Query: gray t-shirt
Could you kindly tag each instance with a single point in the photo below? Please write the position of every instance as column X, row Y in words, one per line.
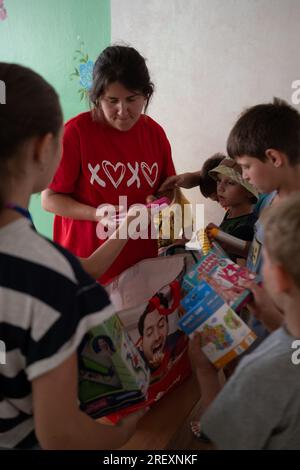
column 259, row 407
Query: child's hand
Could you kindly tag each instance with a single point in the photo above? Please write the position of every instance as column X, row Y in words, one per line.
column 208, row 229
column 226, row 247
column 206, row 373
column 105, row 213
column 262, row 307
column 198, row 359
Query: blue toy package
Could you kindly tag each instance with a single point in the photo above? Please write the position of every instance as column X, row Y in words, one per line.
column 195, row 296
column 200, row 303
column 223, row 334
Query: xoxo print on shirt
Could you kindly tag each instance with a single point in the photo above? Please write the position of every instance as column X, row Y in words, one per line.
column 114, row 173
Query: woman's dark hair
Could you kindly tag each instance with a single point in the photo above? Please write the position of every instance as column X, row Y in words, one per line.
column 207, row 184
column 108, row 341
column 121, row 64
column 31, row 109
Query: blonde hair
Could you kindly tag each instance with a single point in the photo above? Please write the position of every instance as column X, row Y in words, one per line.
column 282, row 235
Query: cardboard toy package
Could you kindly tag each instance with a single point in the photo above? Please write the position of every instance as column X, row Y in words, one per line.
column 224, row 335
column 223, row 275
column 112, row 372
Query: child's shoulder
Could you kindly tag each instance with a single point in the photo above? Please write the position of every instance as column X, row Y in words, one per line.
column 35, row 254
column 239, row 226
column 54, row 257
column 271, row 360
column 44, row 271
column 264, row 201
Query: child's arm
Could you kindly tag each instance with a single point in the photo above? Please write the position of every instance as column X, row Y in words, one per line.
column 228, row 242
column 66, row 206
column 59, row 424
column 99, row 261
column 184, row 180
column 206, row 373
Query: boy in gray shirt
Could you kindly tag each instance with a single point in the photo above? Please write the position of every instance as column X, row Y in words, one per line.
column 259, row 407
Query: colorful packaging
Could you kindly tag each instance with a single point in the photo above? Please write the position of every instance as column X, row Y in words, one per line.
column 223, row 275
column 224, row 335
column 112, row 372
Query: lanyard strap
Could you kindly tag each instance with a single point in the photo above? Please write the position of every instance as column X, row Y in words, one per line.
column 20, row 210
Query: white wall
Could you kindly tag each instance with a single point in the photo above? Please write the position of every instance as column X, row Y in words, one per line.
column 209, row 60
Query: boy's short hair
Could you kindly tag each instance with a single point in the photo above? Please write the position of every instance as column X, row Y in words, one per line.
column 266, row 126
column 207, row 184
column 282, row 235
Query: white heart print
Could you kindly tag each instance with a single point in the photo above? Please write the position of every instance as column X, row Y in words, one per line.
column 148, row 174
column 106, row 164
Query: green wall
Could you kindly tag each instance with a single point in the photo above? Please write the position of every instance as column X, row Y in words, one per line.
column 45, row 35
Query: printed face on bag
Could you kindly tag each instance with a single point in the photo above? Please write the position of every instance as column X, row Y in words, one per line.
column 155, row 331
column 121, row 108
column 103, row 345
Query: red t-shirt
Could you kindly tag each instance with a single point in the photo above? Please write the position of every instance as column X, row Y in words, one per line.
column 99, row 164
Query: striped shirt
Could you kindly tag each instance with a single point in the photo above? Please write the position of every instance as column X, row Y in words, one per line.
column 47, row 304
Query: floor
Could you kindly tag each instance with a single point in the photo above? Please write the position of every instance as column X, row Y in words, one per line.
column 167, row 424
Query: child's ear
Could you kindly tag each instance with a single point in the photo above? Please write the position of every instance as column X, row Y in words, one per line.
column 43, row 147
column 283, row 279
column 275, row 157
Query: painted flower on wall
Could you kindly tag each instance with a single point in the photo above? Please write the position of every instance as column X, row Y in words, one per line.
column 83, row 71
column 86, row 74
column 3, row 12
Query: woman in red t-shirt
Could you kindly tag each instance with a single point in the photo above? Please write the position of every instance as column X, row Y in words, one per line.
column 112, row 151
